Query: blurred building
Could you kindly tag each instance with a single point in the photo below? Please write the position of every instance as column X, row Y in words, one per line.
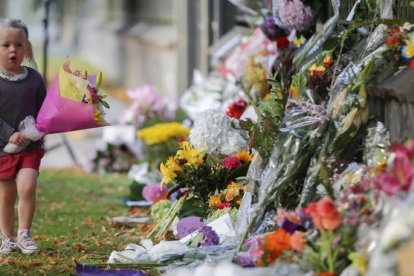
column 159, row 42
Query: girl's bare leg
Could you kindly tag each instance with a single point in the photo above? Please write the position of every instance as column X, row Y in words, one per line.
column 26, row 188
column 8, row 196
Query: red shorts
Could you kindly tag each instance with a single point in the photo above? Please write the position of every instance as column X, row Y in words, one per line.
column 11, row 164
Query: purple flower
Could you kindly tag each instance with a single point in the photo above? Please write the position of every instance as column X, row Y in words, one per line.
column 269, row 28
column 245, row 259
column 293, row 14
column 152, row 192
column 210, row 236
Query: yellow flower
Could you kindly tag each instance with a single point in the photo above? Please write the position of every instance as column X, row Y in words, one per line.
column 214, row 200
column 160, row 133
column 234, row 185
column 358, row 261
column 244, row 156
column 328, row 60
column 168, row 171
column 173, row 165
column 191, row 155
column 409, row 50
column 167, row 174
column 231, row 193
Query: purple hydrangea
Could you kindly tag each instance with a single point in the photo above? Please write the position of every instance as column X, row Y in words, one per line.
column 153, row 191
column 210, row 236
column 293, row 14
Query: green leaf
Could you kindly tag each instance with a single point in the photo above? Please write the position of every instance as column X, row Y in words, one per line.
column 330, row 44
column 196, row 240
column 240, row 171
column 412, row 3
column 193, row 207
column 104, row 103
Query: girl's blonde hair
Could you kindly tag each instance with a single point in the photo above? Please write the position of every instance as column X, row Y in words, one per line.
column 18, row 24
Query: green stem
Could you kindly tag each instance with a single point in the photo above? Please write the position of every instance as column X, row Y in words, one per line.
column 331, row 260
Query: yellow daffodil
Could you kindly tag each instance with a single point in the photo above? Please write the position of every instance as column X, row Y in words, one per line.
column 244, row 156
column 191, row 155
column 214, row 200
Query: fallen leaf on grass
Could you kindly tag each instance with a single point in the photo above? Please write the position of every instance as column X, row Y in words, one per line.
column 34, row 264
column 52, row 260
column 42, row 237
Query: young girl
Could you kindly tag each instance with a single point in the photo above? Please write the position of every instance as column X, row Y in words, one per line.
column 22, row 91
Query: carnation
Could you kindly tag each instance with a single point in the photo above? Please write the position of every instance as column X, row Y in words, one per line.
column 231, row 162
column 213, row 130
column 153, row 191
column 293, row 14
column 160, row 209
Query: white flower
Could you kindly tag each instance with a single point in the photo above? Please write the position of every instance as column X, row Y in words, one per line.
column 213, row 130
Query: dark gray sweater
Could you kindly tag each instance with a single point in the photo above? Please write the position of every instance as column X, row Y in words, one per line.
column 19, row 99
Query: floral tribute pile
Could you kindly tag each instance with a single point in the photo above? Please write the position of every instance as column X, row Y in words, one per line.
column 291, row 175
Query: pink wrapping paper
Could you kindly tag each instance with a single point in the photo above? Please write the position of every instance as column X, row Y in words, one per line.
column 59, row 114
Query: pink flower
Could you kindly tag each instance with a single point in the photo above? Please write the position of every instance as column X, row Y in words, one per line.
column 297, row 241
column 401, row 175
column 152, row 192
column 295, row 15
column 231, row 162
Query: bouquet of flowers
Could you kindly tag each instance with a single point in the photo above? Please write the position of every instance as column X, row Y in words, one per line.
column 162, row 141
column 200, row 173
column 73, row 102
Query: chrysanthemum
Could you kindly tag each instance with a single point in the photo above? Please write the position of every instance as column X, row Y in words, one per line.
column 191, row 155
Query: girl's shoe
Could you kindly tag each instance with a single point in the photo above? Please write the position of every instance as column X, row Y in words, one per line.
column 26, row 243
column 7, row 245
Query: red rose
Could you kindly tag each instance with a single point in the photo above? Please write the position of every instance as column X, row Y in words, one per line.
column 231, row 162
column 282, row 42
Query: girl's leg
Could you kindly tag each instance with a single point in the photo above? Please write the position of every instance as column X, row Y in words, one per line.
column 26, row 187
column 8, row 195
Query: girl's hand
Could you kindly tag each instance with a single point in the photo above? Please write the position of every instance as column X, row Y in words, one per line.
column 19, row 139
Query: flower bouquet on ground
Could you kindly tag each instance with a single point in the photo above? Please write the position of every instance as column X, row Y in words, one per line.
column 281, row 181
column 73, row 102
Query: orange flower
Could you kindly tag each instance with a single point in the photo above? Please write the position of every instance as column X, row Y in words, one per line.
column 324, row 214
column 327, row 274
column 331, row 217
column 244, row 156
column 297, row 241
column 273, row 244
column 214, row 200
column 294, row 93
column 327, row 61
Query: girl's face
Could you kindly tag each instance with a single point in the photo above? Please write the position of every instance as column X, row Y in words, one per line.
column 12, row 50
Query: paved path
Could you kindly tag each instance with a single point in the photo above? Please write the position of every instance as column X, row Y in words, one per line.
column 82, row 143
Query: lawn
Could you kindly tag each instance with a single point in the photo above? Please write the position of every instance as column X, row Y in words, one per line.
column 72, row 223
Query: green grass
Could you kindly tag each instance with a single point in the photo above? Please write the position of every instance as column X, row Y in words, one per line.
column 72, row 222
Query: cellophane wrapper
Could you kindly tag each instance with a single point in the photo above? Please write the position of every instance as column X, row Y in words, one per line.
column 29, row 129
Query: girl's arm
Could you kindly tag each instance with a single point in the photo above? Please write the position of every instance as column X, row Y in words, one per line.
column 5, row 131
